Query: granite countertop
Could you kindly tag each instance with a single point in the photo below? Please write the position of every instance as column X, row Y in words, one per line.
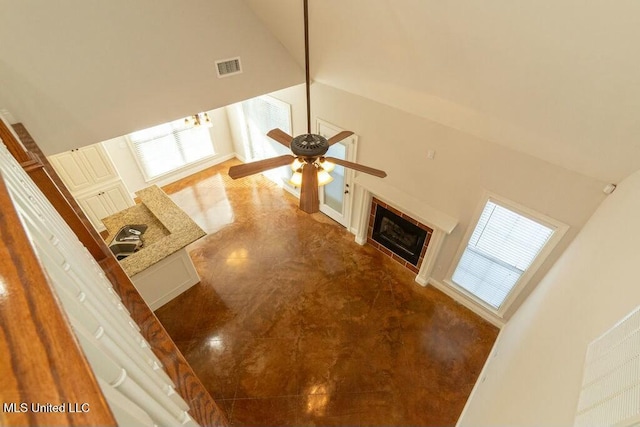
column 169, row 228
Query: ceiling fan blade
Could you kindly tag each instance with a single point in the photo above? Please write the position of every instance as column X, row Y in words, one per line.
column 309, row 201
column 356, row 166
column 281, row 136
column 339, row 137
column 240, row 171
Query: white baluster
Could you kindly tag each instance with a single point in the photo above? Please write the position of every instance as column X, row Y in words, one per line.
column 139, row 392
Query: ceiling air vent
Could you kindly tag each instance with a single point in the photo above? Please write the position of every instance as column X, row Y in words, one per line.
column 228, row 67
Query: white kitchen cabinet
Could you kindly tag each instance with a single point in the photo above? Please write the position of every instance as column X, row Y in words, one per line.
column 93, row 181
column 97, row 163
column 72, row 173
column 103, row 202
column 84, row 167
column 166, row 279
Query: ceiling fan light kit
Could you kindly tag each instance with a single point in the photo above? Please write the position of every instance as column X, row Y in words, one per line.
column 322, row 162
column 311, row 168
column 326, row 165
column 323, row 176
column 296, row 178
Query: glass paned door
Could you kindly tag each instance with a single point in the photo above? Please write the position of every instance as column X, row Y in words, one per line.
column 335, row 197
column 334, row 191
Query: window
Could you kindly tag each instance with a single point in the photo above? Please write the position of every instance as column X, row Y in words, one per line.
column 262, row 114
column 165, row 148
column 501, row 251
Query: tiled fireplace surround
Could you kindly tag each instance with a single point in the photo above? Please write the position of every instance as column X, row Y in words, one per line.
column 374, row 191
column 375, row 203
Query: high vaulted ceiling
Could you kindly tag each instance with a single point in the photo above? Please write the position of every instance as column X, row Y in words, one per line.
column 78, row 72
column 559, row 80
column 556, row 79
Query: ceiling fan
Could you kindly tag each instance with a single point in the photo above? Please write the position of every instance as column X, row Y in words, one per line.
column 308, row 150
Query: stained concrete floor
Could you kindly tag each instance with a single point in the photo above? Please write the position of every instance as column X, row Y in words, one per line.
column 293, row 323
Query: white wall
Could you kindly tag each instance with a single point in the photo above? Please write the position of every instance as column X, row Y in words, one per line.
column 129, row 171
column 534, row 377
column 76, row 73
column 463, row 168
column 456, row 180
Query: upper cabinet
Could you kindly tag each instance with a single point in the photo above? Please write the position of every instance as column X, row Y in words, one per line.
column 82, row 168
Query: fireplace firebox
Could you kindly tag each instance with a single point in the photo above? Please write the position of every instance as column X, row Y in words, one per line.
column 375, row 193
column 398, row 234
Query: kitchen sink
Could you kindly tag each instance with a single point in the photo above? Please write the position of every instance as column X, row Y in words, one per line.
column 122, row 250
column 130, row 232
column 128, row 240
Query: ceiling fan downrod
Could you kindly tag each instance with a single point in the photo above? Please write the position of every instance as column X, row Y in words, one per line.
column 307, row 150
column 306, row 63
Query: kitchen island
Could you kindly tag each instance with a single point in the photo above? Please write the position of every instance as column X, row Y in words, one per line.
column 161, row 269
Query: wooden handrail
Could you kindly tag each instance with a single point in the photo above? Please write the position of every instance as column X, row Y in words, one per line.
column 13, row 145
column 41, row 362
column 203, row 408
column 47, row 179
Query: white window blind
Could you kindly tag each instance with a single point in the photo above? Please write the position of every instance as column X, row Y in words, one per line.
column 502, row 247
column 261, row 115
column 165, row 148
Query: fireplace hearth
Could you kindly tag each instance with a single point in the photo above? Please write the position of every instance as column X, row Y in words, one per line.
column 398, row 235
